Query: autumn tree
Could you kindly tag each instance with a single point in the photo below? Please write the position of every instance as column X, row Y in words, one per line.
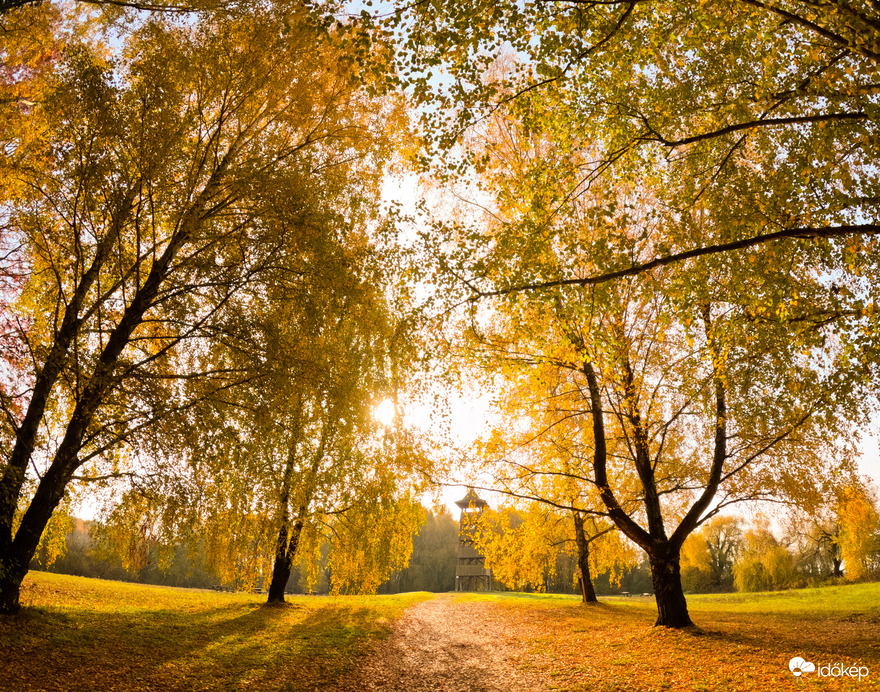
column 703, row 139
column 535, row 455
column 658, row 471
column 292, row 463
column 839, row 537
column 316, row 431
column 708, row 554
column 742, row 123
column 701, row 385
column 133, row 231
column 523, row 547
column 311, row 467
column 704, row 86
column 859, row 535
column 815, row 540
column 765, row 563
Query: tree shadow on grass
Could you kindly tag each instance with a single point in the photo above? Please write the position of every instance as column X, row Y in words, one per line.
column 239, row 646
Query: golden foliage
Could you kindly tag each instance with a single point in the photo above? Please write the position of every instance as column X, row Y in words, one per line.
column 859, row 537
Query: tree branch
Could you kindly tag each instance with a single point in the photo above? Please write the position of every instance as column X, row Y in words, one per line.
column 634, row 270
column 815, row 28
column 655, row 136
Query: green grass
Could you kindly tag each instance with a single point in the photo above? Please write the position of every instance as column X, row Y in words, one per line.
column 90, row 635
column 859, row 600
column 537, row 600
column 853, row 600
column 86, row 635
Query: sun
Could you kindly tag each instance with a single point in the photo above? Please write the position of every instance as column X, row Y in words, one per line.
column 384, row 412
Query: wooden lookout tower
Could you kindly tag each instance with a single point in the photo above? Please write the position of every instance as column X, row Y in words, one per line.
column 470, row 572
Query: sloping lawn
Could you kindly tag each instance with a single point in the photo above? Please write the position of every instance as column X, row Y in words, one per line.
column 85, row 635
column 77, row 634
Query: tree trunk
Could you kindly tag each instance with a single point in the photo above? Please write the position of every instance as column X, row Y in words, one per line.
column 588, row 593
column 666, row 576
column 17, row 554
column 284, row 554
column 280, row 576
column 20, row 549
column 11, row 576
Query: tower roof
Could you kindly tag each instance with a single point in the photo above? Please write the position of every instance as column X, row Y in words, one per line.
column 471, row 499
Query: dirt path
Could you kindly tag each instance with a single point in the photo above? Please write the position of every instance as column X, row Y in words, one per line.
column 445, row 645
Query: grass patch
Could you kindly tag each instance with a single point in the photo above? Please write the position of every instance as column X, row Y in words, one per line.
column 534, row 600
column 85, row 635
column 848, row 600
column 89, row 635
column 741, row 642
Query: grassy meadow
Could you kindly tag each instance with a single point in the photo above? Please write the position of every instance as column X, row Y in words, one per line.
column 90, row 635
column 78, row 634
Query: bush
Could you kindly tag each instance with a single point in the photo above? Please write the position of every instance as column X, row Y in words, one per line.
column 696, row 580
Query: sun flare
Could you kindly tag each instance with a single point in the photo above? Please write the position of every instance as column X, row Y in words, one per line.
column 384, row 412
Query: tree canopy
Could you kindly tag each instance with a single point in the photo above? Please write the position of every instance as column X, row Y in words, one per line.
column 661, row 258
column 160, row 187
column 706, row 383
column 764, row 112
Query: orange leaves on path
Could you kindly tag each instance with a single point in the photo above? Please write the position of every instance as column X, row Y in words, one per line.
column 612, row 646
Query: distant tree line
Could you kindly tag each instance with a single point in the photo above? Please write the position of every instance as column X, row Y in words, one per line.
column 86, row 554
column 533, row 548
column 838, row 544
column 89, row 551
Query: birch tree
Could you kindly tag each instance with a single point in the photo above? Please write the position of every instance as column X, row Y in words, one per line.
column 135, row 226
column 703, row 386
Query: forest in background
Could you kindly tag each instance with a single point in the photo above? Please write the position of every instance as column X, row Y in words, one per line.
column 727, row 555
